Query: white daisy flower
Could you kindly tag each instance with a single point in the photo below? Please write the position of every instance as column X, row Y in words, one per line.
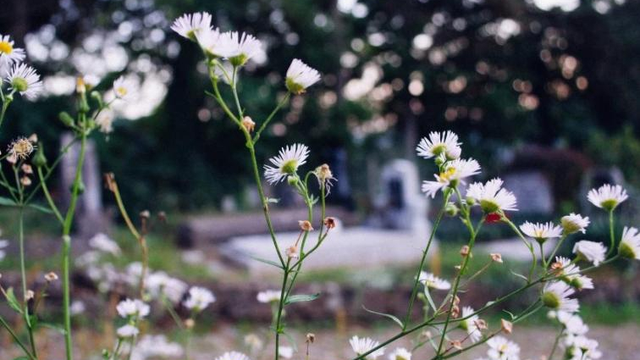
column 233, row 355
column 433, row 282
column 440, row 143
column 24, row 79
column 190, row 25
column 607, row 197
column 286, row 163
column 590, row 251
column 128, row 308
column 268, row 296
column 555, row 295
column 300, row 76
column 541, row 232
column 159, row 284
column 216, row 44
column 574, row 223
column 583, row 349
column 454, row 172
column 469, row 324
column 363, row 345
column 105, row 244
column 104, row 120
column 285, row 352
column 199, row 298
column 630, row 243
column 502, row 349
column 127, row 331
column 9, row 55
column 244, row 47
column 573, row 324
column 570, row 274
column 400, row 354
column 492, row 197
column 124, row 88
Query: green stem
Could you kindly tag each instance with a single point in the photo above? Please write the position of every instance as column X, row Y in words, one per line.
column 270, row 117
column 66, row 247
column 16, row 338
column 611, row 233
column 47, row 195
column 555, row 249
column 5, row 106
column 534, row 261
column 414, row 291
column 280, row 308
column 555, row 344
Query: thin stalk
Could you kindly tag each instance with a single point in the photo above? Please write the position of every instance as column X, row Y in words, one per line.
column 555, row 344
column 280, row 309
column 534, row 261
column 47, row 195
column 612, row 233
column 416, row 283
column 270, row 117
column 16, row 338
column 555, row 249
column 5, row 106
column 66, row 247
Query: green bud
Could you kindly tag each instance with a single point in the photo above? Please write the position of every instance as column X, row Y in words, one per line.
column 66, row 119
column 292, row 180
column 550, row 300
column 39, row 160
column 451, row 209
column 97, row 97
column 80, row 188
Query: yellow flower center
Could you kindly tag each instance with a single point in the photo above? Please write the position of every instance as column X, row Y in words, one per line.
column 448, row 173
column 122, row 91
column 6, row 47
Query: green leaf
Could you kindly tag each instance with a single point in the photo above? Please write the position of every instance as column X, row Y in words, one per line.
column 301, row 298
column 268, row 262
column 519, row 275
column 57, row 327
column 13, row 301
column 389, row 316
column 510, row 314
column 5, row 201
column 41, row 208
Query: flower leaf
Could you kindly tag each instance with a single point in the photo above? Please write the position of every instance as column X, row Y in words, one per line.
column 389, row 316
column 12, row 300
column 301, row 298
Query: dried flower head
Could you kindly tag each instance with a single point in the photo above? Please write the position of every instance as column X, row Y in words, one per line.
column 248, row 124
column 26, row 168
column 496, row 257
column 292, row 252
column 189, row 323
column 506, row 326
column 329, row 222
column 20, row 149
column 51, row 277
column 305, row 225
column 465, row 251
column 29, row 295
column 311, row 338
column 25, row 181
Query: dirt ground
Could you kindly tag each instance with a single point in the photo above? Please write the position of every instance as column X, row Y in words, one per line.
column 616, row 343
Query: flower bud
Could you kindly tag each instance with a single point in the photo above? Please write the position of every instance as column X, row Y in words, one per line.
column 66, row 119
column 51, row 277
column 311, row 338
column 496, row 257
column 465, row 251
column 39, row 160
column 329, row 222
column 305, row 225
column 26, row 168
column 248, row 124
column 25, row 181
column 451, row 209
column 506, row 326
column 292, row 180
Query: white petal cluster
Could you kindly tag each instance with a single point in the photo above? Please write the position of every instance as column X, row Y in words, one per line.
column 454, row 172
column 125, row 88
column 363, row 345
column 286, row 163
column 9, row 54
column 436, row 144
column 127, row 331
column 132, row 308
column 3, row 244
column 233, row 355
column 492, row 197
column 400, row 354
column 268, row 296
column 156, row 347
column 555, row 296
column 431, row 281
column 607, row 197
column 541, row 232
column 590, row 251
column 300, row 76
column 574, row 223
column 630, row 243
column 25, row 80
column 470, row 324
column 199, row 298
column 105, row 244
column 502, row 349
column 159, row 284
column 191, row 25
column 570, row 273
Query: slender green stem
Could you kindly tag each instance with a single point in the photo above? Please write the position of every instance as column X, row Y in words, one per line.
column 454, row 293
column 270, row 117
column 23, row 273
column 416, row 283
column 5, row 106
column 49, row 170
column 555, row 344
column 544, row 261
column 534, row 261
column 612, row 232
column 278, row 328
column 556, row 248
column 16, row 338
column 47, row 195
column 66, row 247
